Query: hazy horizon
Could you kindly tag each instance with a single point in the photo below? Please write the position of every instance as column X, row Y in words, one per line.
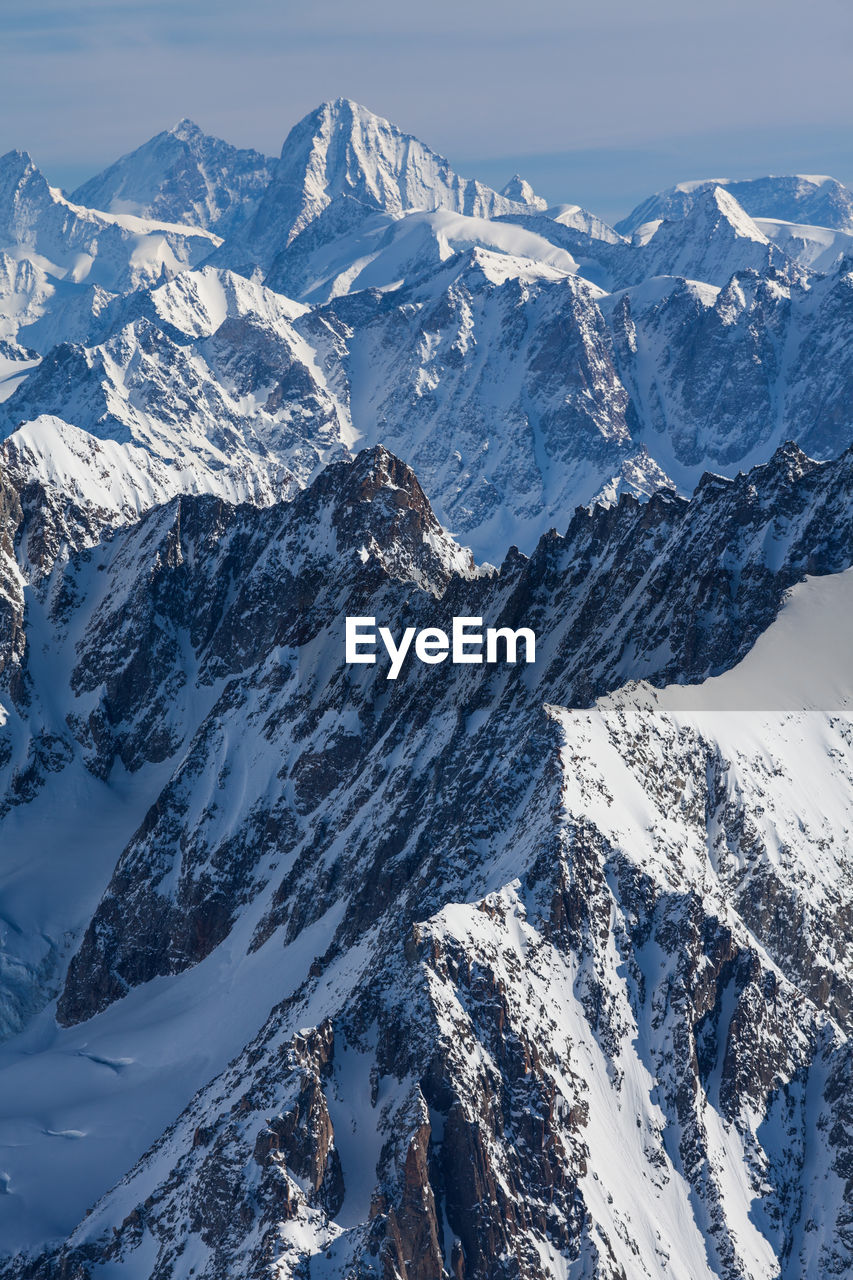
column 596, row 108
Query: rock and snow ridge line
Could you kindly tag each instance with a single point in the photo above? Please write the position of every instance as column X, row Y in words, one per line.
column 267, row 390
column 586, row 594
column 411, row 875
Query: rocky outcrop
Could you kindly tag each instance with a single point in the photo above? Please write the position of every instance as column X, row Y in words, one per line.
column 11, row 586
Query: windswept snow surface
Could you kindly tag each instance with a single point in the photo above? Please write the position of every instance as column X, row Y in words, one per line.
column 820, row 248
column 389, row 251
column 802, row 663
column 116, row 1081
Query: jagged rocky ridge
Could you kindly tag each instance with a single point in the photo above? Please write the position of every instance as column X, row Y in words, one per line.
column 518, row 1022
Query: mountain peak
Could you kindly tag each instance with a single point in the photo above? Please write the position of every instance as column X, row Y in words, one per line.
column 520, row 190
column 24, row 191
column 371, row 471
column 378, row 508
column 341, row 154
column 788, row 463
column 714, row 240
column 719, row 199
column 713, row 212
column 181, row 175
column 15, row 165
column 186, row 130
column 348, row 106
column 813, row 199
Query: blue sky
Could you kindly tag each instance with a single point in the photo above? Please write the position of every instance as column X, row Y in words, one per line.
column 597, row 103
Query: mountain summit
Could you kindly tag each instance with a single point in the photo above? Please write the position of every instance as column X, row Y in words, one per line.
column 341, row 154
column 806, row 198
column 182, row 175
column 714, row 238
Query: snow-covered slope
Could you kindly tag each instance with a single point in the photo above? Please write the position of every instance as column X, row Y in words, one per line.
column 117, row 251
column 713, row 239
column 719, row 378
column 210, row 389
column 520, row 369
column 425, row 301
column 519, row 190
column 820, row 248
column 215, row 384
column 182, row 175
column 387, row 251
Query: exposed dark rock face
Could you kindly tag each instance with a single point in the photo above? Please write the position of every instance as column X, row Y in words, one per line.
column 12, row 641
column 652, row 581
column 504, row 959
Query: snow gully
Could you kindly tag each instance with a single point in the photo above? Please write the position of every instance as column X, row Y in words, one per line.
column 433, row 645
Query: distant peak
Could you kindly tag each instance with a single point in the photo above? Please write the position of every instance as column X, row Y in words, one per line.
column 348, row 117
column 699, row 184
column 343, row 109
column 714, row 193
column 17, row 168
column 717, row 197
column 519, row 189
column 16, row 159
column 185, row 130
column 346, row 104
column 723, row 199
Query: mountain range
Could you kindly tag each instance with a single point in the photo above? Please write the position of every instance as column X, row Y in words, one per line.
column 524, row 972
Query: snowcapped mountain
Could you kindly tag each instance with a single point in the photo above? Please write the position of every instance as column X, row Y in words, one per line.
column 513, row 971
column 477, row 348
column 819, row 248
column 713, row 238
column 820, row 201
column 182, row 175
column 376, row 217
column 60, row 262
column 519, row 190
column 116, row 251
column 765, row 361
column 387, row 252
column 341, row 163
column 207, row 388
column 211, row 383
